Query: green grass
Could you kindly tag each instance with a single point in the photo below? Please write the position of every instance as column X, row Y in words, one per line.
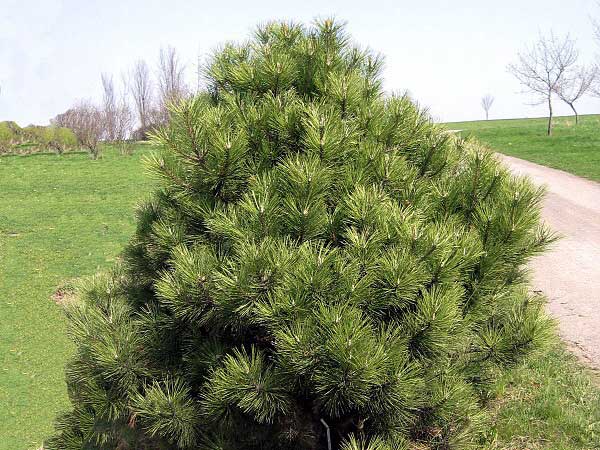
column 572, row 148
column 551, row 402
column 66, row 217
column 60, row 217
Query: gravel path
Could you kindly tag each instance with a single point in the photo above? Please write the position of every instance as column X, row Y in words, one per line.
column 569, row 274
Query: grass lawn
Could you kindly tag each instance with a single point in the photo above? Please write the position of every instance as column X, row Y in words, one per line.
column 551, row 402
column 573, row 148
column 60, row 217
column 65, row 217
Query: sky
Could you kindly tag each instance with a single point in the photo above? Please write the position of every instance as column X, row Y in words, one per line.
column 446, row 54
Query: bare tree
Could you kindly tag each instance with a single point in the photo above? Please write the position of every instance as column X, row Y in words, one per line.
column 486, row 103
column 123, row 125
column 63, row 120
column 575, row 85
column 140, row 86
column 109, row 107
column 85, row 119
column 542, row 68
column 171, row 81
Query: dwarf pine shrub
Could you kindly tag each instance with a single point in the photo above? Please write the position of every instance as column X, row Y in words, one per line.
column 319, row 265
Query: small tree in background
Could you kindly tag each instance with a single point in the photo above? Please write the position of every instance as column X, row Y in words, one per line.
column 109, row 108
column 141, row 89
column 86, row 121
column 171, row 84
column 320, row 266
column 575, row 85
column 124, row 119
column 486, row 103
column 544, row 67
column 62, row 139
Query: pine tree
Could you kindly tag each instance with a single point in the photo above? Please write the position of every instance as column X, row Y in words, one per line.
column 320, row 265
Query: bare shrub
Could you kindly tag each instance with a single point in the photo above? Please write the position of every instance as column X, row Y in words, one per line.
column 85, row 119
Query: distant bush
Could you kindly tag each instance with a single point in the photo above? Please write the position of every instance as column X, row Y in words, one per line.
column 5, row 137
column 38, row 135
column 63, row 139
column 10, row 134
column 35, row 138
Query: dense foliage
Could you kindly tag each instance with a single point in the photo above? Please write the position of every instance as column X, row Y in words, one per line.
column 320, row 262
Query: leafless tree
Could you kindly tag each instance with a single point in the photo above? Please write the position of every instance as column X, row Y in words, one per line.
column 85, row 119
column 63, row 120
column 542, row 68
column 486, row 103
column 140, row 86
column 171, row 81
column 109, row 107
column 575, row 85
column 123, row 125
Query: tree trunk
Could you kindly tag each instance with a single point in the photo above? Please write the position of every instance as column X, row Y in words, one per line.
column 486, row 115
column 575, row 112
column 550, row 116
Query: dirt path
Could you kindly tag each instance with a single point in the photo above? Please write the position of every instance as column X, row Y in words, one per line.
column 569, row 274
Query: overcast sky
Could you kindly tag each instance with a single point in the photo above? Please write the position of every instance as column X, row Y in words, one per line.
column 447, row 54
